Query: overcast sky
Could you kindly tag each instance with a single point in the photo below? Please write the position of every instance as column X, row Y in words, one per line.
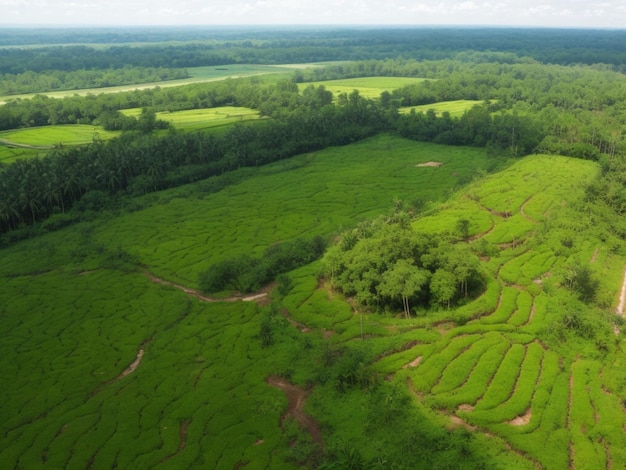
column 557, row 13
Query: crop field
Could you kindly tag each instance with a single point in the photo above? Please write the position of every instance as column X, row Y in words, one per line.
column 455, row 108
column 9, row 154
column 49, row 136
column 107, row 356
column 201, row 119
column 369, row 87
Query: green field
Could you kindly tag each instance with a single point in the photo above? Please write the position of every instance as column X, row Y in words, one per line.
column 197, row 119
column 369, row 87
column 35, row 141
column 455, row 108
column 78, row 309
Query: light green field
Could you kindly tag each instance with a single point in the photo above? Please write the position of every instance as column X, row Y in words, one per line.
column 50, row 136
column 10, row 154
column 197, row 119
column 34, row 141
column 455, row 108
column 369, row 87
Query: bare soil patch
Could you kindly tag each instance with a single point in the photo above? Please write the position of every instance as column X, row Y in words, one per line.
column 429, row 164
column 414, row 363
column 522, row 420
column 132, row 367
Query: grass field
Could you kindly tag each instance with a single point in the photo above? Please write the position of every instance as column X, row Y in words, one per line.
column 34, row 141
column 369, row 87
column 495, row 374
column 455, row 108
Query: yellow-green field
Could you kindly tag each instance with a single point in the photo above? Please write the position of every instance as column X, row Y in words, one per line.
column 369, row 87
column 455, row 108
column 195, row 119
column 33, row 141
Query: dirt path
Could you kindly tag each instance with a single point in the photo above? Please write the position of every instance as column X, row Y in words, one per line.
column 296, row 397
column 183, row 440
column 523, row 206
column 198, row 295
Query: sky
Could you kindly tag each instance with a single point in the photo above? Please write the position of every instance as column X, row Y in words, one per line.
column 548, row 13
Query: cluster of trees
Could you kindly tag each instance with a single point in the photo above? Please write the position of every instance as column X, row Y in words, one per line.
column 247, row 274
column 386, row 265
column 53, row 80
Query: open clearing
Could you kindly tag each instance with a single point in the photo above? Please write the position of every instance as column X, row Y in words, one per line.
column 205, row 118
column 455, row 108
column 369, row 87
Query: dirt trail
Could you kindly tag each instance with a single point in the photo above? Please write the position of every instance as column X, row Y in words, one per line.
column 183, row 440
column 523, row 206
column 296, row 397
column 198, row 295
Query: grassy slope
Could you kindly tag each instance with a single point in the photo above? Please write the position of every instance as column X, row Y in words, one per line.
column 75, row 318
column 195, row 354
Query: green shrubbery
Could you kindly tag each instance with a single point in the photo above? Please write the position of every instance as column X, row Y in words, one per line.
column 247, row 274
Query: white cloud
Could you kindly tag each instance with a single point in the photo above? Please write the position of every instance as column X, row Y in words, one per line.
column 607, row 13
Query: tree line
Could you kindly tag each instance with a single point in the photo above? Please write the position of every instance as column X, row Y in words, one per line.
column 56, row 80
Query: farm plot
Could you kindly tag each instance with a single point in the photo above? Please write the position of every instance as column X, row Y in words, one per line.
column 454, row 108
column 369, row 87
column 202, row 119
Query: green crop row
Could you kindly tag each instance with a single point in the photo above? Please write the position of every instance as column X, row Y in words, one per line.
column 426, row 375
column 506, row 307
column 524, row 308
column 460, row 369
column 520, row 395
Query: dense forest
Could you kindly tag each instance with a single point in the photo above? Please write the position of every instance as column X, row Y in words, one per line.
column 151, row 53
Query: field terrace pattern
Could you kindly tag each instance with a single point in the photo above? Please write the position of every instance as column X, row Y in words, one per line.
column 488, row 371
